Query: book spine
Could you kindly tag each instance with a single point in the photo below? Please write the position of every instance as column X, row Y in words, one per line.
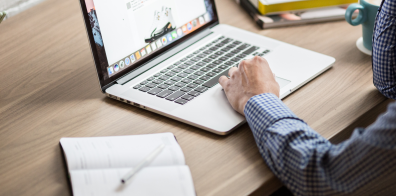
column 264, row 8
column 251, row 10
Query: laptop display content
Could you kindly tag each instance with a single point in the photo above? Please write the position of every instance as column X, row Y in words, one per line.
column 127, row 33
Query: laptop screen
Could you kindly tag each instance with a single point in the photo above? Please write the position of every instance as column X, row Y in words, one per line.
column 128, row 32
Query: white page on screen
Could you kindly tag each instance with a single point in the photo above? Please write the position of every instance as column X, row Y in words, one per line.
column 164, row 181
column 124, row 26
column 120, row 151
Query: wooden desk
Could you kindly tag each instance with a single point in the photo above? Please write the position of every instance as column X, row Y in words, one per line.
column 49, row 90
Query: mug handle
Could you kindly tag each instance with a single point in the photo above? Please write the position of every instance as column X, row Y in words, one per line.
column 361, row 18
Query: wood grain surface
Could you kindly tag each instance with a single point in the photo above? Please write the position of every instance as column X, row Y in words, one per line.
column 49, row 90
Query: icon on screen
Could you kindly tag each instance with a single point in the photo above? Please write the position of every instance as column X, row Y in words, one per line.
column 174, row 35
column 159, row 43
column 137, row 54
column 201, row 20
column 116, row 67
column 122, row 64
column 207, row 17
column 179, row 32
column 164, row 41
column 133, row 59
column 153, row 46
column 184, row 28
column 143, row 52
column 189, row 26
column 194, row 23
column 148, row 49
column 127, row 61
column 110, row 70
column 169, row 37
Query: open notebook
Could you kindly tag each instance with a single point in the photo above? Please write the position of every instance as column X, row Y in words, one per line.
column 96, row 166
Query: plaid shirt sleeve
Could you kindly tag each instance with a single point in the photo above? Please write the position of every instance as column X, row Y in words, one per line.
column 307, row 163
column 384, row 51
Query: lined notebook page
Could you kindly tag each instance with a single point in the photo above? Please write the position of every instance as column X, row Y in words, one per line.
column 120, row 151
column 164, row 181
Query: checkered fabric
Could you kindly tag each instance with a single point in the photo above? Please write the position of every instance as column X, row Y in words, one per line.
column 384, row 49
column 308, row 164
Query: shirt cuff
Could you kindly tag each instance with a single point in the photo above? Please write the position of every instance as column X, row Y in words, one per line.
column 262, row 111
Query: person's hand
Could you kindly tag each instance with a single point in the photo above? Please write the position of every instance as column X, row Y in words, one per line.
column 252, row 77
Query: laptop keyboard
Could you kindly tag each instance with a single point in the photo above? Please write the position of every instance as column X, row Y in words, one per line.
column 197, row 72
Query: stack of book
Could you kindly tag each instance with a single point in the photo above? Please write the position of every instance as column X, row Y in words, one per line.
column 278, row 13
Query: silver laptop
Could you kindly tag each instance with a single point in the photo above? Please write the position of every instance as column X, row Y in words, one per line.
column 166, row 56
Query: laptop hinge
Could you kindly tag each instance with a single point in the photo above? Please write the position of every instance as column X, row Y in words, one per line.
column 155, row 61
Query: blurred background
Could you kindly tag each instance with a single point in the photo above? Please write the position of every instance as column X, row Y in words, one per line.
column 13, row 7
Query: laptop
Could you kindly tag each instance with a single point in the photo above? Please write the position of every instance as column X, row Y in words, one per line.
column 166, row 56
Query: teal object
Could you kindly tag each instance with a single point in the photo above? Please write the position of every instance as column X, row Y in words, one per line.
column 366, row 17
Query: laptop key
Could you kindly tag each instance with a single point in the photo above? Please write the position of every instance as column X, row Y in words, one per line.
column 210, row 74
column 137, row 86
column 189, row 62
column 208, row 51
column 201, row 89
column 219, row 45
column 207, row 60
column 177, row 70
column 183, row 59
column 163, row 86
column 243, row 46
column 173, row 88
column 235, row 59
column 231, row 46
column 192, row 85
column 204, row 78
column 199, row 81
column 219, row 53
column 223, row 66
column 203, row 55
column 188, row 97
column 199, row 73
column 188, row 71
column 236, row 51
column 150, row 78
column 217, row 62
column 217, row 70
column 164, row 71
column 201, row 64
column 229, row 62
column 251, row 50
column 164, row 77
column 225, row 49
column 213, row 56
column 164, row 93
column 192, row 77
column 176, row 78
column 172, row 66
column 196, row 59
column 236, row 42
column 186, row 89
column 214, row 48
column 211, row 66
column 143, row 83
column 175, row 95
column 194, row 93
column 177, row 63
column 144, row 89
column 154, row 91
column 230, row 54
column 181, row 101
column 215, row 80
column 180, row 84
column 194, row 67
column 186, row 80
column 196, row 52
column 151, row 85
column 241, row 55
column 157, row 81
column 157, row 75
column 182, row 75
column 170, row 74
column 183, row 66
column 169, row 82
column 191, row 55
column 205, row 69
column 224, row 58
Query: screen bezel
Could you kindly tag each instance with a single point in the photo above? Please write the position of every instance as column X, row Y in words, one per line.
column 104, row 84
